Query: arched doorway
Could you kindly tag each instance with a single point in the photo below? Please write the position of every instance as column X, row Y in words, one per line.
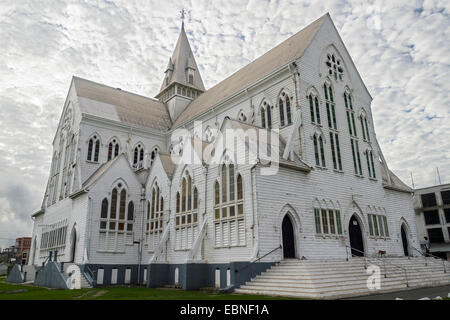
column 404, row 240
column 356, row 238
column 288, row 238
column 73, row 248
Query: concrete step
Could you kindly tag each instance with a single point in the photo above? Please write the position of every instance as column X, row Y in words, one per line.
column 348, row 283
column 336, row 292
column 360, row 278
column 340, row 278
column 320, row 273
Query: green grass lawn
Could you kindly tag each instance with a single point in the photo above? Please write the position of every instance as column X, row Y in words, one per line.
column 10, row 291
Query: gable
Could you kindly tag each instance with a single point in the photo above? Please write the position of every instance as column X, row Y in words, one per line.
column 328, row 41
column 116, row 168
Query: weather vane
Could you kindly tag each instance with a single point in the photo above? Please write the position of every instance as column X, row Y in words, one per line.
column 183, row 13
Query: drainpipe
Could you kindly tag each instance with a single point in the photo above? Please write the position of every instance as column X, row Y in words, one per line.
column 88, row 242
column 206, row 203
column 141, row 239
column 254, row 207
column 169, row 194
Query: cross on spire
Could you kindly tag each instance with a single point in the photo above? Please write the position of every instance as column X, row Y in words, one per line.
column 183, row 15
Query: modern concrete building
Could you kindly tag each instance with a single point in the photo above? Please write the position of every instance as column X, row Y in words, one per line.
column 432, row 206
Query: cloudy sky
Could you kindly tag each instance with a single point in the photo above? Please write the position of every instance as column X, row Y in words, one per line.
column 401, row 49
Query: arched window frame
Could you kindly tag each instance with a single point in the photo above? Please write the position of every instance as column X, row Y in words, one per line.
column 330, row 105
column 364, row 126
column 348, row 100
column 118, row 220
column 186, row 214
column 153, row 155
column 378, row 224
column 335, row 66
column 370, row 163
column 350, row 111
column 285, row 108
column 266, row 115
column 138, row 156
column 93, row 150
column 314, row 107
column 113, row 148
column 154, row 224
column 319, row 149
column 229, row 220
column 327, row 217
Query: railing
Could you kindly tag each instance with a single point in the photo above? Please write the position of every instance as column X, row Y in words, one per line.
column 252, row 262
column 382, row 259
column 160, row 246
column 43, row 265
column 198, row 240
column 89, row 275
column 430, row 255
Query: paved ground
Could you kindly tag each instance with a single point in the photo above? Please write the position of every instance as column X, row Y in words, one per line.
column 414, row 294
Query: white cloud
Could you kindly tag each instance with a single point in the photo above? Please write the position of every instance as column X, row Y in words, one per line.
column 399, row 47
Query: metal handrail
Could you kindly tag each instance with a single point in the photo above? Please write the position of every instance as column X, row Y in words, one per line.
column 384, row 263
column 250, row 263
column 91, row 274
column 431, row 255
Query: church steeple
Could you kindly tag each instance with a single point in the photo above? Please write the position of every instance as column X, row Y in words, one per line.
column 182, row 81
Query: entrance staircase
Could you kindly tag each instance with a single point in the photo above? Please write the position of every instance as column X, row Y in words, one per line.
column 83, row 280
column 332, row 279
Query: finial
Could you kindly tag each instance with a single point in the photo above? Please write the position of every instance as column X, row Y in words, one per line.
column 183, row 14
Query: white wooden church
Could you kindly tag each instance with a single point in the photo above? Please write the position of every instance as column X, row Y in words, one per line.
column 118, row 204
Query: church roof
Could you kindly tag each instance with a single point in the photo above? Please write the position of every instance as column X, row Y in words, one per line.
column 181, row 59
column 119, row 105
column 283, row 54
column 168, row 165
column 396, row 183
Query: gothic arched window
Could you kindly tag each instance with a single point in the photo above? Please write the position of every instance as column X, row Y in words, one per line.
column 335, row 67
column 314, row 108
column 93, row 148
column 284, row 104
column 370, row 164
column 229, row 208
column 186, row 216
column 266, row 115
column 155, row 214
column 330, row 106
column 116, row 222
column 113, row 149
column 350, row 114
column 319, row 152
column 153, row 155
column 138, row 156
column 364, row 126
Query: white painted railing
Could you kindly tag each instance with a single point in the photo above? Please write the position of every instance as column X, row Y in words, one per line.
column 162, row 242
column 198, row 241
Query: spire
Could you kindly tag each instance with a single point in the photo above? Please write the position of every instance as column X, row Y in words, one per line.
column 182, row 67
